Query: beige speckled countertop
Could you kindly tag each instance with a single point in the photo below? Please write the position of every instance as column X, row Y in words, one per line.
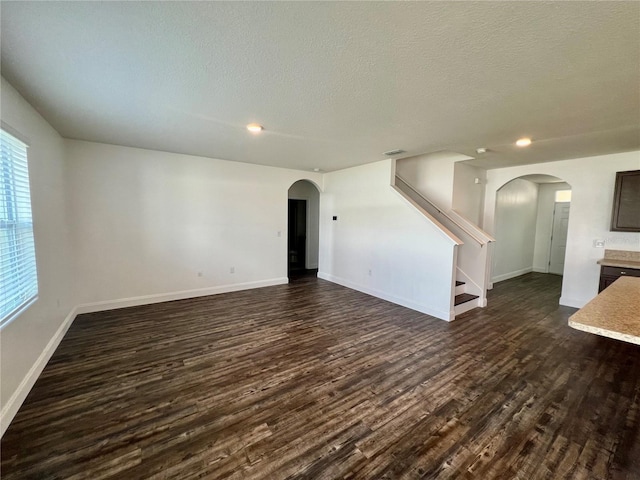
column 620, row 258
column 610, row 262
column 614, row 313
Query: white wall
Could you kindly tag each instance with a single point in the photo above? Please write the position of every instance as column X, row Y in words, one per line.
column 146, row 224
column 515, row 229
column 432, row 175
column 544, row 224
column 468, row 196
column 592, row 183
column 25, row 343
column 382, row 245
column 304, row 190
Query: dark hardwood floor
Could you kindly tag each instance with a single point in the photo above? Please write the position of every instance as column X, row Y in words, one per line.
column 312, row 380
column 301, row 274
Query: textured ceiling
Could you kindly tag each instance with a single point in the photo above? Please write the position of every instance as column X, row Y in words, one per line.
column 335, row 84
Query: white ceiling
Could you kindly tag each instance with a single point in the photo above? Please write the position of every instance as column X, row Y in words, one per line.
column 335, row 84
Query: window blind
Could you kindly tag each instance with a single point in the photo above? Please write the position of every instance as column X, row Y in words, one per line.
column 18, row 276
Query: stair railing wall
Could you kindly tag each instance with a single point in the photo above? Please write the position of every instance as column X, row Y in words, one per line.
column 474, row 255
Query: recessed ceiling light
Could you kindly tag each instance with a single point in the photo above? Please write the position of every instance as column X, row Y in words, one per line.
column 255, row 128
column 523, row 142
column 316, row 169
column 481, row 150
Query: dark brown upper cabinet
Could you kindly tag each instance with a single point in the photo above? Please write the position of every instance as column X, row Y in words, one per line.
column 626, row 202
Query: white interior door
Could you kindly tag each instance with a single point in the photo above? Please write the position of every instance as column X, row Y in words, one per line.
column 559, row 237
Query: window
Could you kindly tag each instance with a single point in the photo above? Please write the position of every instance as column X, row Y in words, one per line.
column 18, row 276
column 563, row 195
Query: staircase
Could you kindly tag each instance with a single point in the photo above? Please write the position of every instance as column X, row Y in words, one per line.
column 474, row 253
column 463, row 301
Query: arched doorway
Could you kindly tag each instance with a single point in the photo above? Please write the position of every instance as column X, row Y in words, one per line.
column 531, row 226
column 303, row 229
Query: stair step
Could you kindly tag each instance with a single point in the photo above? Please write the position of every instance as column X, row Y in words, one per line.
column 464, row 298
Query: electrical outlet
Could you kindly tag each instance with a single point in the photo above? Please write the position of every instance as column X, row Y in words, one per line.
column 369, row 272
column 232, row 270
column 598, row 243
column 200, row 274
column 279, row 233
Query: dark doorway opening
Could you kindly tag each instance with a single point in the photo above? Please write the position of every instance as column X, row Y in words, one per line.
column 303, row 235
column 297, row 241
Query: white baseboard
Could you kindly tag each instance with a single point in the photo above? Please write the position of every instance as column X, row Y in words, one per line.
column 507, row 276
column 573, row 302
column 168, row 297
column 442, row 315
column 14, row 403
column 540, row 270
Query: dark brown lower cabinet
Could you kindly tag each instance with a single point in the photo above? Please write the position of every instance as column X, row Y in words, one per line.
column 608, row 275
